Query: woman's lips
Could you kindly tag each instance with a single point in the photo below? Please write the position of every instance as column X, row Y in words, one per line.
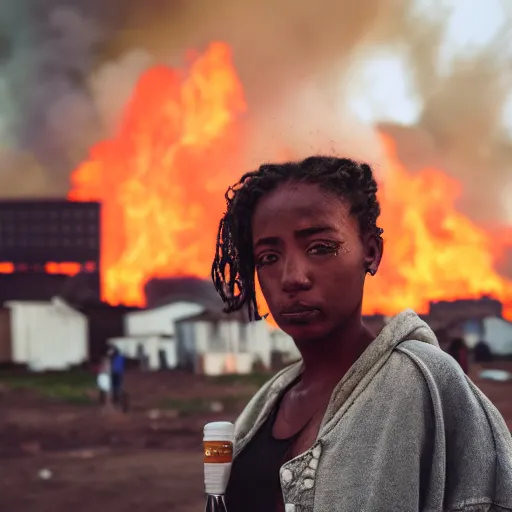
column 300, row 316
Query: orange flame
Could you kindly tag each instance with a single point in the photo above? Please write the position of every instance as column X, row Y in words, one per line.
column 6, row 267
column 432, row 252
column 69, row 269
column 161, row 180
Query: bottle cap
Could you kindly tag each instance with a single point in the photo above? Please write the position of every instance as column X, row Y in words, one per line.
column 219, row 431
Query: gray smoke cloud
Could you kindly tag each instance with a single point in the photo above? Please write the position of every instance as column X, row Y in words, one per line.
column 68, row 67
column 462, row 114
column 48, row 117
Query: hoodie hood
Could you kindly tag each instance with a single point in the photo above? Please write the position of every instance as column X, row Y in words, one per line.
column 405, row 326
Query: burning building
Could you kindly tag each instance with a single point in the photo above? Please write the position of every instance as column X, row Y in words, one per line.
column 466, row 309
column 162, row 175
column 43, row 243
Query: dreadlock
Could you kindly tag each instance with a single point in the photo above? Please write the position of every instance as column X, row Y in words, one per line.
column 233, row 269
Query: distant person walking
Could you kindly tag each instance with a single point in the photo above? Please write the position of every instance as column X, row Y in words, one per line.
column 459, row 351
column 104, row 380
column 117, row 364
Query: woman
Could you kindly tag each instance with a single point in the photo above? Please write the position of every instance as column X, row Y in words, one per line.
column 361, row 423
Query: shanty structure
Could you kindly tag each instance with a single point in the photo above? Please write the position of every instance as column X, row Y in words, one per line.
column 185, row 326
column 46, row 335
column 497, row 333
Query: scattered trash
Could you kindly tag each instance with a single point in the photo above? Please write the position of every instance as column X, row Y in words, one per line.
column 154, row 414
column 45, row 474
column 496, row 375
column 217, row 406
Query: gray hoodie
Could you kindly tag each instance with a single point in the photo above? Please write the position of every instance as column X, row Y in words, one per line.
column 405, row 431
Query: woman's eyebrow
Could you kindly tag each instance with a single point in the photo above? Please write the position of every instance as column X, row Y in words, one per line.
column 267, row 240
column 313, row 230
column 274, row 241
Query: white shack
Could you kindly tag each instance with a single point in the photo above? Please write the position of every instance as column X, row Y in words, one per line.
column 152, row 352
column 185, row 327
column 47, row 335
column 150, row 334
column 160, row 320
column 497, row 333
column 215, row 343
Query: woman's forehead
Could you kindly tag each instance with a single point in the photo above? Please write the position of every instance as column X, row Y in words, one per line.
column 297, row 206
column 301, row 199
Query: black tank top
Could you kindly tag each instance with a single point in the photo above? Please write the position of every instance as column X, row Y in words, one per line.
column 254, row 484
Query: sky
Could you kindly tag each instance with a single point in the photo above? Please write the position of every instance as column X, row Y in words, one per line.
column 382, row 84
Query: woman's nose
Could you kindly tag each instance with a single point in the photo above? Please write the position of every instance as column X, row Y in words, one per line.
column 295, row 276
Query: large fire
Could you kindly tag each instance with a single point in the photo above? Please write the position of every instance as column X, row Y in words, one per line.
column 432, row 252
column 161, row 180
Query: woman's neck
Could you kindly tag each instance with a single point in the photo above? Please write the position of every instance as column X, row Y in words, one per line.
column 326, row 361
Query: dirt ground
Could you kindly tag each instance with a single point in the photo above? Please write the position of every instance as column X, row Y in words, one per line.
column 59, row 457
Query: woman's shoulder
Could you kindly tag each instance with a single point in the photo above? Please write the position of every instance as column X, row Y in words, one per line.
column 477, row 440
column 262, row 402
column 452, row 392
column 442, row 374
column 431, row 359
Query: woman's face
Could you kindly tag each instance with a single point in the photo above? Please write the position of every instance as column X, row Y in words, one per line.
column 310, row 258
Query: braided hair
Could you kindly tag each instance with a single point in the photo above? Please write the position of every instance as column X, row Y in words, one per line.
column 233, row 269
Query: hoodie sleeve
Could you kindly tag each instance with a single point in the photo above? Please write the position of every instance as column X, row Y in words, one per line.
column 472, row 457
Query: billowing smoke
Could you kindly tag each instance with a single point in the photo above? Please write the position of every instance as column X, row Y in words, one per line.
column 48, row 118
column 462, row 114
column 69, row 67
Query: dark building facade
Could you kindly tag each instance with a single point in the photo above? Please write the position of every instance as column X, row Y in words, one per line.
column 465, row 309
column 43, row 242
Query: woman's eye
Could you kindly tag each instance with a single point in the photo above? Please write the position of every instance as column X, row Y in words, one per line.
column 319, row 249
column 266, row 259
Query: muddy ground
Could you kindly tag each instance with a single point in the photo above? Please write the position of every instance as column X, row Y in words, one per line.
column 60, row 451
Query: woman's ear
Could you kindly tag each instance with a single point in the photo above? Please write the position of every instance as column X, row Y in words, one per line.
column 374, row 248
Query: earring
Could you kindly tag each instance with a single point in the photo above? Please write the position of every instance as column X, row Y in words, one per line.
column 371, row 271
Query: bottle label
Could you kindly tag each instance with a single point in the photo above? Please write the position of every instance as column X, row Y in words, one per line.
column 217, row 452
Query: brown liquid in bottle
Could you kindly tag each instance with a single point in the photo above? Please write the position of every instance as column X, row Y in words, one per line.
column 217, row 452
